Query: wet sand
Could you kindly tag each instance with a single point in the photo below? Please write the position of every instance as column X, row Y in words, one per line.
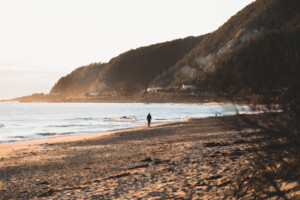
column 195, row 159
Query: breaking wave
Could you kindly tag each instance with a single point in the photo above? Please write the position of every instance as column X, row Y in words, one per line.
column 55, row 133
column 81, row 118
column 66, row 125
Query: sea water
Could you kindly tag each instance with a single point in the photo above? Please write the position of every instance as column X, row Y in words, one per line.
column 31, row 121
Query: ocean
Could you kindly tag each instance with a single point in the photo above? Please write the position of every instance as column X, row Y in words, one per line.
column 32, row 121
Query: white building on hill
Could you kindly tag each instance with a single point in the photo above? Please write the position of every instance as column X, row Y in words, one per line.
column 153, row 89
column 188, row 87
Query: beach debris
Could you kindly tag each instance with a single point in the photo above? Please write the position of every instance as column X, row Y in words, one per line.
column 157, row 161
column 224, row 183
column 216, row 154
column 47, row 193
column 87, row 168
column 148, row 159
column 212, row 144
column 170, row 169
column 117, row 176
column 200, row 183
column 214, row 177
column 236, row 152
column 240, row 142
column 43, row 183
column 139, row 166
column 215, row 144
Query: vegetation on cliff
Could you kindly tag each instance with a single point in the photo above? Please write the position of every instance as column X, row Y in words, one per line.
column 132, row 70
column 260, row 19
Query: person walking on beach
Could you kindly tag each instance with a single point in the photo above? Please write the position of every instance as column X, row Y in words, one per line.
column 149, row 119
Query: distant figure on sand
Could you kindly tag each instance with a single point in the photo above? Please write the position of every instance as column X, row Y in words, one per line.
column 149, row 119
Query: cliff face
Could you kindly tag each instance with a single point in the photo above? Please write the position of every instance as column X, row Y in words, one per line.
column 134, row 69
column 253, row 22
column 139, row 67
column 243, row 47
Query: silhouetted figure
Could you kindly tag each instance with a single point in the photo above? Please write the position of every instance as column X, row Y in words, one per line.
column 149, row 119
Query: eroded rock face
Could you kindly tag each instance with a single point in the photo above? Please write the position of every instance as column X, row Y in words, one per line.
column 185, row 71
column 209, row 62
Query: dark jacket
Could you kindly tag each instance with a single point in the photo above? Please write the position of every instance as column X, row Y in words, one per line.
column 149, row 117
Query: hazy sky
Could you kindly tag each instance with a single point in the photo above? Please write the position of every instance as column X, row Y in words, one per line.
column 42, row 40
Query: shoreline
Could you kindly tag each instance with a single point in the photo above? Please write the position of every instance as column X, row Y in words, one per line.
column 8, row 149
column 54, row 134
column 258, row 105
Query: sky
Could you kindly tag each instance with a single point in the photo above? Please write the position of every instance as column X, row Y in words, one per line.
column 43, row 40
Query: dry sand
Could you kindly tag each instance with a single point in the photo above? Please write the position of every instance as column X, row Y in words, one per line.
column 195, row 159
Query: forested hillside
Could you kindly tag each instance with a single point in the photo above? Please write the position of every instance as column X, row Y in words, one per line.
column 132, row 70
column 255, row 51
column 260, row 19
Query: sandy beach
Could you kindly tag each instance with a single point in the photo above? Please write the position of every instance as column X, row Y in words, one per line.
column 194, row 159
